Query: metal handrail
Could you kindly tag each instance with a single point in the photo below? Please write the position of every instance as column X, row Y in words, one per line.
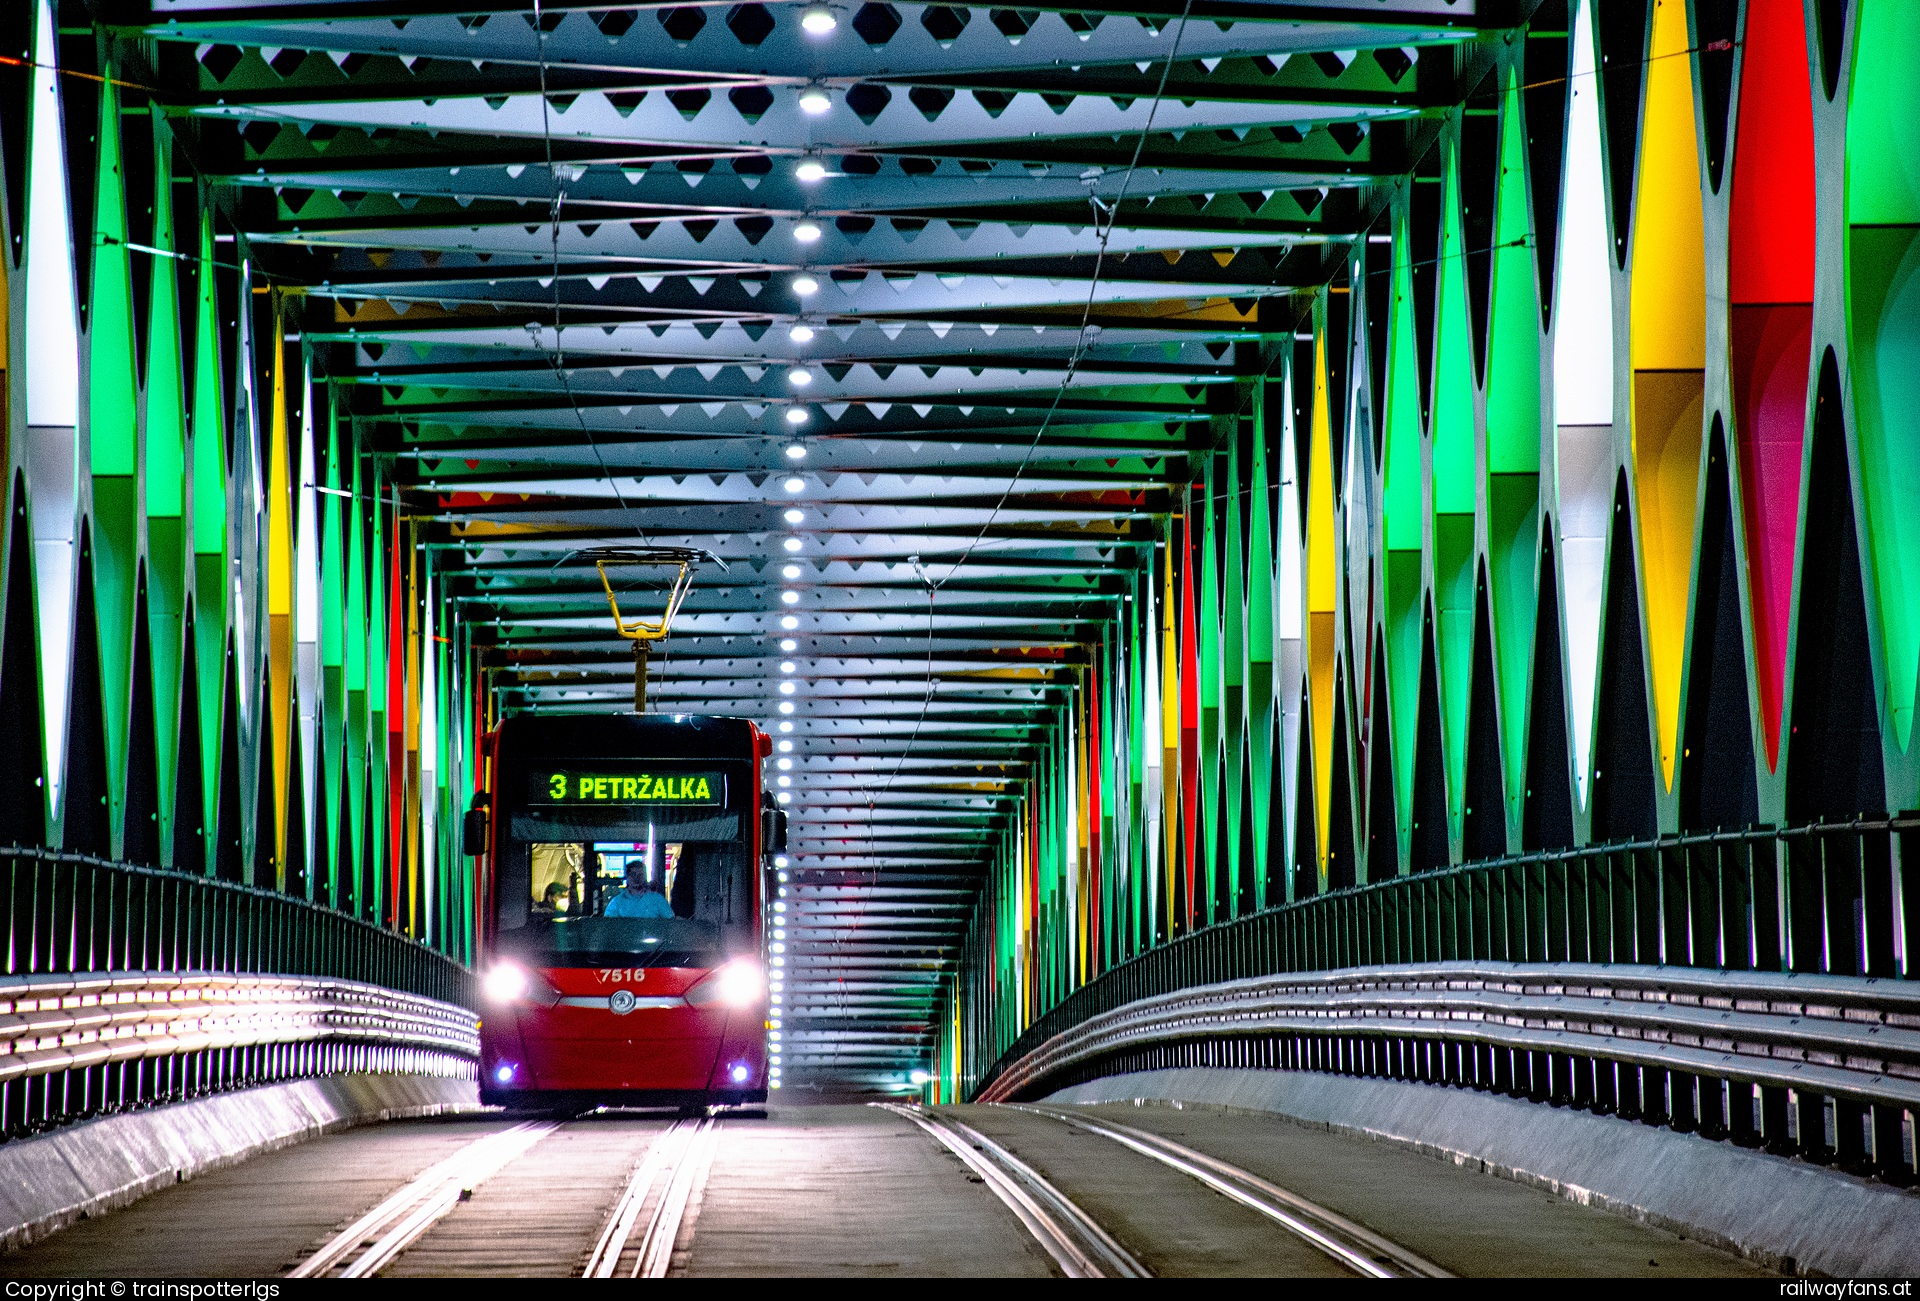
column 1845, row 1037
column 49, row 1025
column 1521, row 907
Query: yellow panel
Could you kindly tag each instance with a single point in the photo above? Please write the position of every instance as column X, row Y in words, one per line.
column 1668, row 348
column 1322, row 584
column 280, row 601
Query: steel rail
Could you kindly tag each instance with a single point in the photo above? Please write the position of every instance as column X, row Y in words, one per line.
column 1078, row 1245
column 1353, row 1245
column 367, row 1245
column 689, row 1176
column 606, row 1253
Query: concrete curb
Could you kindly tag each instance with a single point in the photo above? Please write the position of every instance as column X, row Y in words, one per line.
column 50, row 1181
column 1783, row 1213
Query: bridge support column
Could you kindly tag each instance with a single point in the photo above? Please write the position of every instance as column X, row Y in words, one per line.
column 1812, row 1118
column 1889, row 1144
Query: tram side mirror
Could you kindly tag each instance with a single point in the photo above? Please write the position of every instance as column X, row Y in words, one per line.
column 473, row 833
column 773, row 831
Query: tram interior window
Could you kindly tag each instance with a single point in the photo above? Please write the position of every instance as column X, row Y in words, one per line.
column 556, row 883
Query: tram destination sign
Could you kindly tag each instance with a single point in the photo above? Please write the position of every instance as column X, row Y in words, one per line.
column 602, row 789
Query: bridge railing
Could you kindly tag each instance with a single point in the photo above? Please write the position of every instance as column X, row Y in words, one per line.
column 1822, row 900
column 125, row 986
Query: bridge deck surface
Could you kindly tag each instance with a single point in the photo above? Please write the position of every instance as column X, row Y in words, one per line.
column 852, row 1190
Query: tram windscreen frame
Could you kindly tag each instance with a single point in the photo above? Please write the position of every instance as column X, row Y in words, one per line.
column 581, row 833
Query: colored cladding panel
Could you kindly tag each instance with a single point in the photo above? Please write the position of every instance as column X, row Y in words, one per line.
column 53, row 323
column 1883, row 322
column 1770, row 349
column 1770, row 277
column 209, row 421
column 1455, row 498
column 1666, row 455
column 1668, row 349
column 1513, row 539
column 1883, row 116
column 1883, row 302
column 53, row 400
column 1453, row 374
column 1513, row 445
column 1403, row 674
column 279, row 562
column 1453, row 570
column 1402, row 510
column 1322, row 596
column 111, row 387
column 1584, row 471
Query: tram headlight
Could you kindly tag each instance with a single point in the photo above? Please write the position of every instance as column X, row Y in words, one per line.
column 509, row 982
column 737, row 984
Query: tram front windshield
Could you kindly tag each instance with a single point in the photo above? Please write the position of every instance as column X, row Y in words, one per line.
column 625, row 866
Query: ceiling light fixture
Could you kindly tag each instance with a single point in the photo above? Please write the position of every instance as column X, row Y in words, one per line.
column 789, row 622
column 801, row 334
column 818, row 20
column 797, row 416
column 796, row 452
column 790, row 598
column 807, row 173
column 814, row 100
column 786, row 727
column 791, row 571
column 792, row 544
column 799, row 377
column 789, row 644
column 807, row 232
column 786, row 706
column 786, row 747
column 786, row 688
column 794, row 485
column 805, row 285
column 794, row 516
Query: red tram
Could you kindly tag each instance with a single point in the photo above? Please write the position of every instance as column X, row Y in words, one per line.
column 622, row 869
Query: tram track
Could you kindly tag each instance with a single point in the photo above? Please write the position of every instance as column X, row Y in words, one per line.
column 372, row 1241
column 664, row 1184
column 1349, row 1244
column 1075, row 1241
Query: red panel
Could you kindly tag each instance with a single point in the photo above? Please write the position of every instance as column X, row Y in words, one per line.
column 1773, row 205
column 1189, row 717
column 1770, row 350
column 1771, row 252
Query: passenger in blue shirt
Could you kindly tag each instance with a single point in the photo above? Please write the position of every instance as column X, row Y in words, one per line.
column 640, row 899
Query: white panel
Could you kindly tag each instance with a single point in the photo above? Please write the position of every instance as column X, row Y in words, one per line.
column 306, row 621
column 1584, row 472
column 53, row 333
column 1583, row 394
column 50, row 474
column 1583, row 310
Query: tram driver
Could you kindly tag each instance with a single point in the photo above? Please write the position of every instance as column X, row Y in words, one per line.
column 641, row 898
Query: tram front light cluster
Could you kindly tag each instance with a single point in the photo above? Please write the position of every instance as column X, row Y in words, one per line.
column 737, row 984
column 509, row 982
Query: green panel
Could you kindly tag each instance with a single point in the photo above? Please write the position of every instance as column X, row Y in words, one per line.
column 1514, row 421
column 1453, row 595
column 1453, row 379
column 1883, row 318
column 1454, row 497
column 1513, row 503
column 1883, row 116
column 165, row 486
column 209, row 421
column 1401, row 503
column 1403, row 593
column 1207, row 620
